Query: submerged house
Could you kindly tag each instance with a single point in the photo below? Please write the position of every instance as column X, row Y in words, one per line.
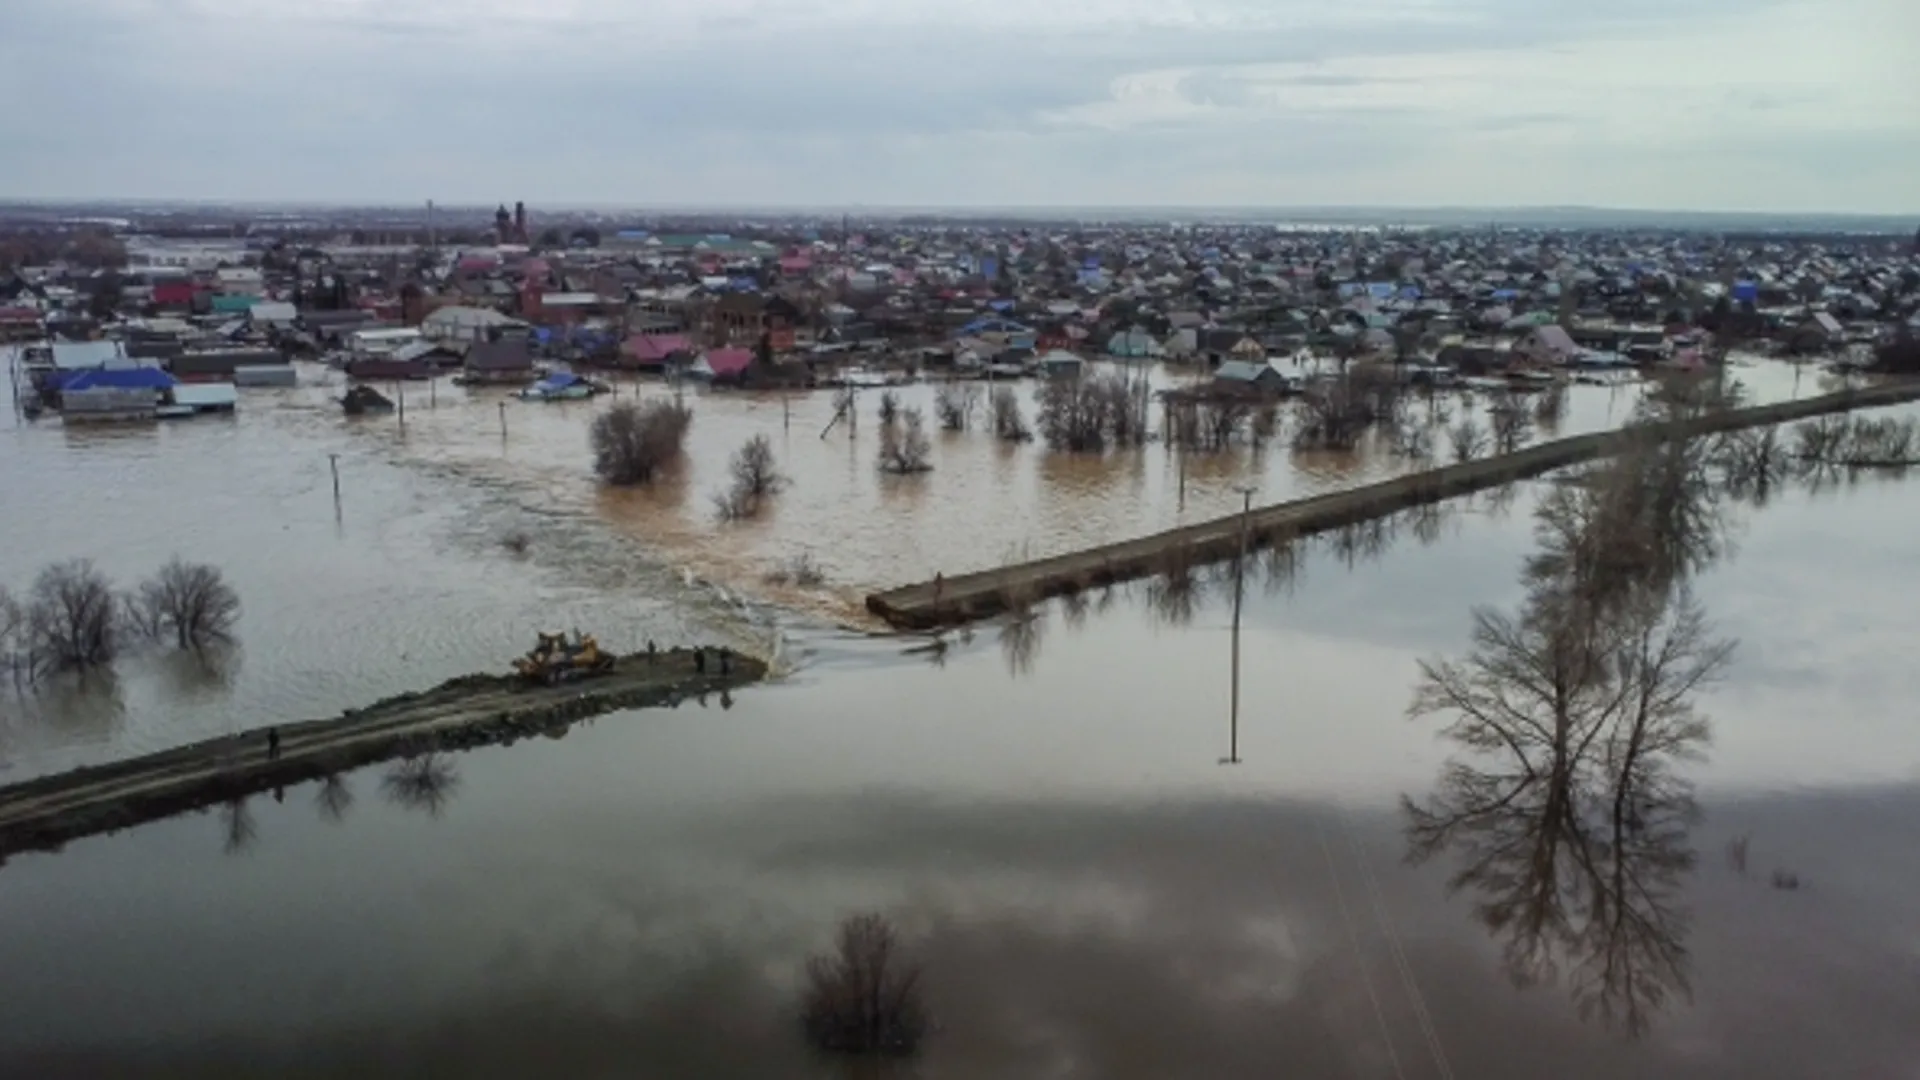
column 1134, row 344
column 188, row 399
column 457, row 323
column 1061, row 364
column 722, row 365
column 1251, row 376
column 221, row 365
column 1221, row 346
column 1549, row 344
column 652, row 352
column 561, row 386
column 506, row 361
column 113, row 393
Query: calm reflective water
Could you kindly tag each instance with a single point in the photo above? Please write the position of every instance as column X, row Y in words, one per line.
column 1039, row 805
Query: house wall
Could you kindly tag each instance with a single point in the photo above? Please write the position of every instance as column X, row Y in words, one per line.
column 108, row 404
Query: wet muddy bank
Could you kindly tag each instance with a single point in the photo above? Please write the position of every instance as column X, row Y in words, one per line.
column 462, row 713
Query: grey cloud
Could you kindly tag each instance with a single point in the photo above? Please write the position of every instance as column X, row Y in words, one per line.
column 1517, row 121
column 602, row 108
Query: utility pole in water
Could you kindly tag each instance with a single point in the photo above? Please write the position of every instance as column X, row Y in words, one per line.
column 1239, row 587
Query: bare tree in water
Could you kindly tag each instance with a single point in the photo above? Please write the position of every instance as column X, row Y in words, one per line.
column 1092, row 413
column 13, row 633
column 1467, row 439
column 635, row 443
column 756, row 478
column 1009, row 424
column 73, row 621
column 864, row 997
column 1512, row 424
column 191, row 602
column 954, row 405
column 904, row 447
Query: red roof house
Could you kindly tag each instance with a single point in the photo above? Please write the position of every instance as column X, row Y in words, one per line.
column 723, row 365
column 654, row 350
column 173, row 294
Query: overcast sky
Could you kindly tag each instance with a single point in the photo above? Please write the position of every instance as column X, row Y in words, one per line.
column 1789, row 105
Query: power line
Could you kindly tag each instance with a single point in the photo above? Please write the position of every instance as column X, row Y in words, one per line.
column 1353, row 936
column 1407, row 979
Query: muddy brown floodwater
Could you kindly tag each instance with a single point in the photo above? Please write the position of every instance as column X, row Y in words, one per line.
column 1037, row 805
column 985, row 503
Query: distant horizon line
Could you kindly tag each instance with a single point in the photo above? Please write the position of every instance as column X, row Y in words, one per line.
column 1312, row 210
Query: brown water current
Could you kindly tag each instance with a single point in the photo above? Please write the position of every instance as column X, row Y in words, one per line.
column 1038, row 804
column 984, row 503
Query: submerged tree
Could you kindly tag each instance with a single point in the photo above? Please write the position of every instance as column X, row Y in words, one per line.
column 1333, row 415
column 1467, row 439
column 1512, row 424
column 72, row 621
column 954, row 405
column 1089, row 414
column 1009, row 425
column 191, row 602
column 904, row 448
column 756, row 477
column 633, row 443
column 13, row 632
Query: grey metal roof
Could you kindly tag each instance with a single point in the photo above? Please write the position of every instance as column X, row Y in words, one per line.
column 205, row 395
column 468, row 318
column 500, row 356
column 75, row 355
column 1242, row 371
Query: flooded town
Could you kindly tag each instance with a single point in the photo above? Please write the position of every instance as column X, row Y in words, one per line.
column 963, row 646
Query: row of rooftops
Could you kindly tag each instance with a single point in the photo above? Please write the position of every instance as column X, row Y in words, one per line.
column 917, row 282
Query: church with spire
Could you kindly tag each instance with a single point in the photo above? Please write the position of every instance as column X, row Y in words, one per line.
column 511, row 228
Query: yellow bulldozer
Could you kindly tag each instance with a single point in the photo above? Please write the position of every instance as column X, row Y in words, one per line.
column 555, row 658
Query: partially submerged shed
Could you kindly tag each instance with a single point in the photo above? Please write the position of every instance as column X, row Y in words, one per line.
column 103, row 394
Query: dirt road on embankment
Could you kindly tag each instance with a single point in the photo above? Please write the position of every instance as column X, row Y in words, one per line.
column 474, row 710
column 964, row 598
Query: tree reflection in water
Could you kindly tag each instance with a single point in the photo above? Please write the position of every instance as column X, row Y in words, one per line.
column 1565, row 807
column 237, row 827
column 1173, row 596
column 334, row 797
column 424, row 782
column 1020, row 636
